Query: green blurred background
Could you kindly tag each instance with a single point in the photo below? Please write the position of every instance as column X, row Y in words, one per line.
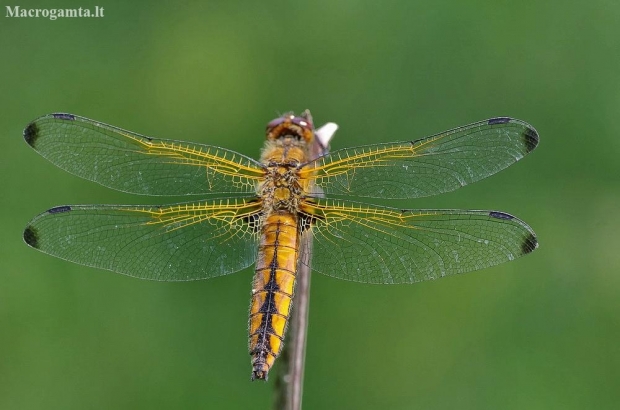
column 538, row 333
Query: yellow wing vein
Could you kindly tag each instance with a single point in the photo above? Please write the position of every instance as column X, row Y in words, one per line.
column 372, row 218
column 374, row 157
column 228, row 211
column 187, row 155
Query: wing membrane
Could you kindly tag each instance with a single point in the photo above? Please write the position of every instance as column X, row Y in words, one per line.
column 169, row 243
column 433, row 165
column 133, row 163
column 372, row 244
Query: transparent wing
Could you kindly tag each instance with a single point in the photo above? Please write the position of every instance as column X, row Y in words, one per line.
column 169, row 243
column 433, row 165
column 133, row 163
column 372, row 244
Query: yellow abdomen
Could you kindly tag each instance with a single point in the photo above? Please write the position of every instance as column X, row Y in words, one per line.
column 272, row 292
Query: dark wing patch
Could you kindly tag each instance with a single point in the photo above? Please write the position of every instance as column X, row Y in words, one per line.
column 31, row 133
column 529, row 244
column 31, row 237
column 530, row 138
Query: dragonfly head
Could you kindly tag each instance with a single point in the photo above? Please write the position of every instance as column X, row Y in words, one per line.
column 290, row 125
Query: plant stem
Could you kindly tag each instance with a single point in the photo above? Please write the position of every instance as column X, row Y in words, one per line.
column 290, row 380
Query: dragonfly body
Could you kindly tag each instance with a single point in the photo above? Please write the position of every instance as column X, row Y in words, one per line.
column 289, row 209
column 288, row 145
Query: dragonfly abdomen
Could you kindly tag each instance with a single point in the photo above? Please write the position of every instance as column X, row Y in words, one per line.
column 272, row 291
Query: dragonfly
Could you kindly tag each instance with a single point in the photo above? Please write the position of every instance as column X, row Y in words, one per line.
column 291, row 208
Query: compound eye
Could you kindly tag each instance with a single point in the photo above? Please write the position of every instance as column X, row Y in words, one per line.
column 300, row 122
column 274, row 123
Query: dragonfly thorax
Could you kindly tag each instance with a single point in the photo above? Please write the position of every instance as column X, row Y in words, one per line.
column 281, row 188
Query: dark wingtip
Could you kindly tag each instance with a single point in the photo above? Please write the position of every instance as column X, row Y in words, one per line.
column 529, row 134
column 530, row 138
column 31, row 133
column 529, row 244
column 31, row 237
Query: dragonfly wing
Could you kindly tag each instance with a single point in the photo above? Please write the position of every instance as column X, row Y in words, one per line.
column 177, row 242
column 372, row 244
column 133, row 163
column 433, row 165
